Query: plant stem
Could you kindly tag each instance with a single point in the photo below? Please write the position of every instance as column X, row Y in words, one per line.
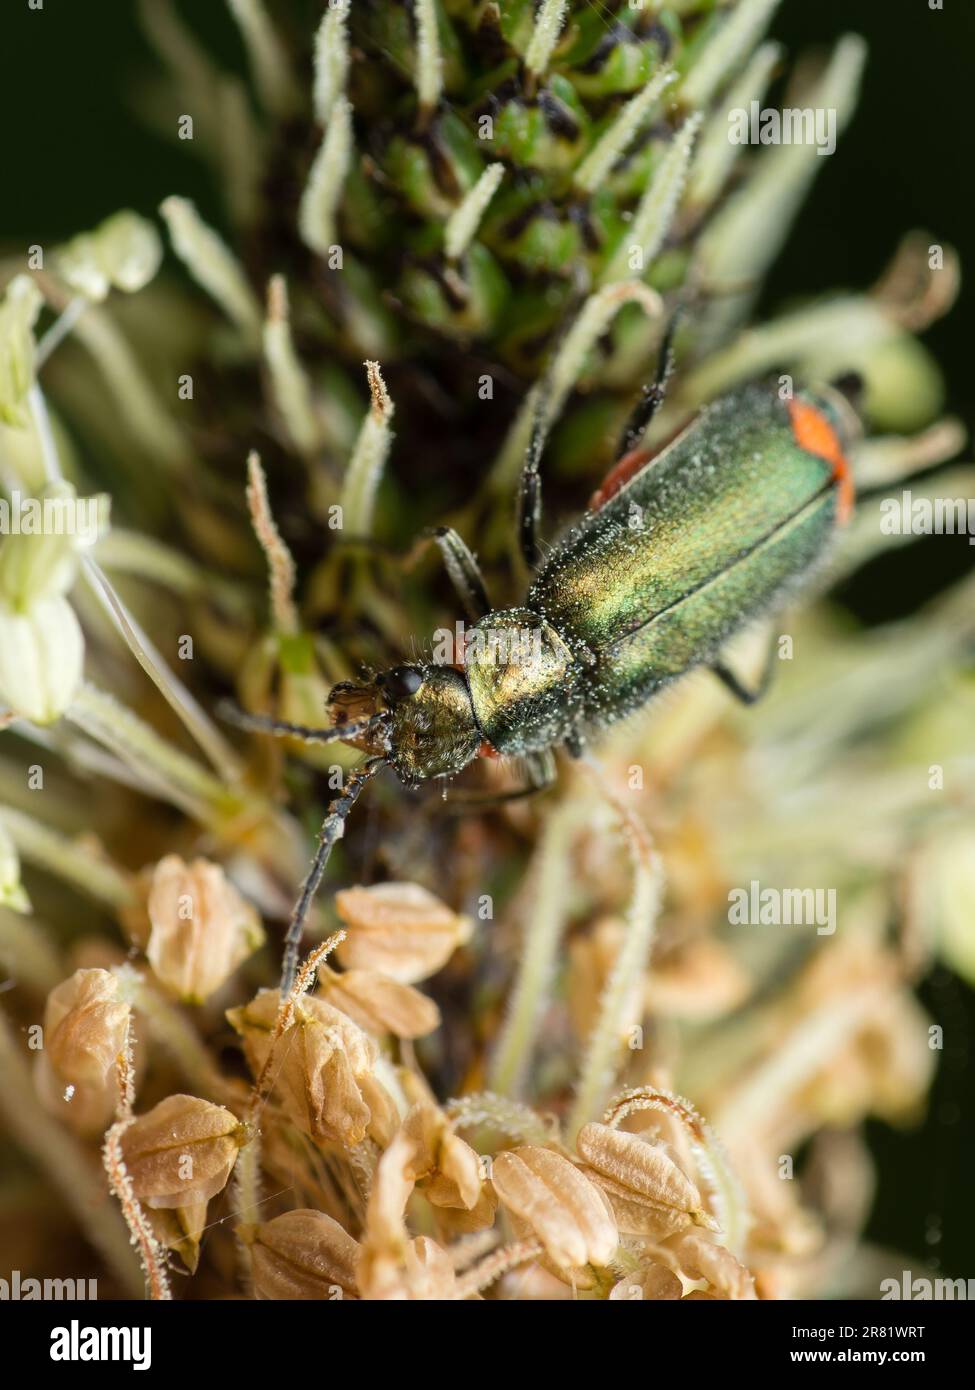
column 180, row 779
column 173, row 691
column 171, row 1028
column 49, row 850
column 544, row 926
column 60, row 329
column 599, row 1063
column 27, row 953
column 45, row 435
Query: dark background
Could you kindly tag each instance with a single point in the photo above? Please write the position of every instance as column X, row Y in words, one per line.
column 73, row 153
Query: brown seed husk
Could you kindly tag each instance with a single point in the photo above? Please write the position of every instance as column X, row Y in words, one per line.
column 85, row 1025
column 305, row 1255
column 702, row 1258
column 181, row 1151
column 200, row 928
column 323, row 1069
column 380, row 1005
column 640, row 1172
column 399, row 929
column 563, row 1209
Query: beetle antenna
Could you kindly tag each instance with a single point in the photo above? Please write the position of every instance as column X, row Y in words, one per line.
column 283, row 728
column 333, row 828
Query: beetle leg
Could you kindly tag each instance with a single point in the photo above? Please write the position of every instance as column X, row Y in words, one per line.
column 653, row 395
column 468, row 803
column 530, row 494
column 541, row 769
column 463, row 572
column 575, row 744
column 333, row 827
column 747, row 695
column 540, row 774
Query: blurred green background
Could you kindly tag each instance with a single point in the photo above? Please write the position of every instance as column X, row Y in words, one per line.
column 74, row 151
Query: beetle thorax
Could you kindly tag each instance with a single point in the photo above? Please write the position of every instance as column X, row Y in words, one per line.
column 522, row 678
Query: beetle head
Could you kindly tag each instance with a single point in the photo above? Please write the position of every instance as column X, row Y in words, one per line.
column 421, row 719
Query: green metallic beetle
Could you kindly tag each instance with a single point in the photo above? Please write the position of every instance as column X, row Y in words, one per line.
column 678, row 551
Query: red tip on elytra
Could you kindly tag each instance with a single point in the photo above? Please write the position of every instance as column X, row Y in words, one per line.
column 814, row 433
column 618, row 476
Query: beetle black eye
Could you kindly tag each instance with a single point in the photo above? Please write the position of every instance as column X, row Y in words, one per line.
column 400, row 682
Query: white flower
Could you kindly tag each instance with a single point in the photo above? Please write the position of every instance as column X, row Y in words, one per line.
column 11, row 889
column 123, row 253
column 18, row 313
column 41, row 658
column 38, row 560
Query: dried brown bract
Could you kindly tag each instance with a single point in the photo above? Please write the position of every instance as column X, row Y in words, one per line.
column 378, row 1004
column 551, row 1198
column 393, row 1265
column 181, row 1151
column 398, row 929
column 85, row 1025
column 180, row 1229
column 324, row 1069
column 449, row 1172
column 700, row 1258
column 303, row 1254
column 649, row 1193
column 200, row 929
